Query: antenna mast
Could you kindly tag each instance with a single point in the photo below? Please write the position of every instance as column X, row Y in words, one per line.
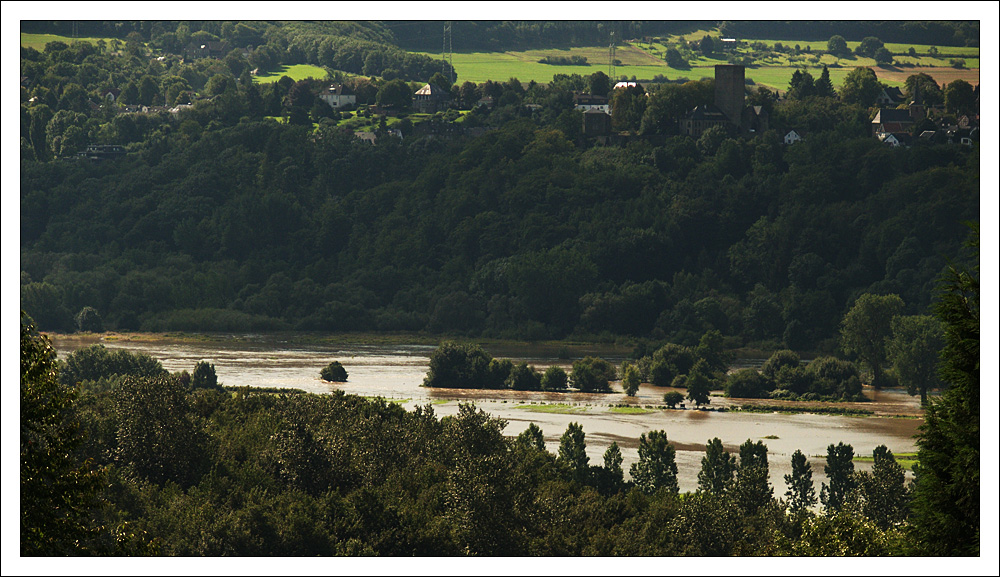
column 448, row 69
column 611, row 57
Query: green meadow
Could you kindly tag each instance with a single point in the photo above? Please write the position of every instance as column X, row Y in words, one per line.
column 295, row 72
column 556, row 408
column 38, row 41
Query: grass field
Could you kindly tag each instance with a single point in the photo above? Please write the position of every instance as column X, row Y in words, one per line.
column 38, row 41
column 905, row 460
column 295, row 72
column 630, row 410
column 643, row 61
column 557, row 408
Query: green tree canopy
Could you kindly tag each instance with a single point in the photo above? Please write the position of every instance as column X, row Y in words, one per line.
column 717, row 468
column 913, row 351
column 573, row 451
column 959, row 97
column 860, row 86
column 869, row 46
column 395, row 93
column 839, row 471
column 865, row 329
column 752, row 490
column 656, row 468
column 837, row 45
column 58, row 490
column 334, row 372
column 801, row 494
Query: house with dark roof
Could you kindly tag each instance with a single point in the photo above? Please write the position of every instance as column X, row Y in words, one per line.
column 583, row 101
column 896, row 139
column 211, row 49
column 891, row 120
column 703, row 117
column 338, row 96
column 890, row 95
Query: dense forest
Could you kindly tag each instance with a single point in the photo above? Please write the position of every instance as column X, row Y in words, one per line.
column 222, row 218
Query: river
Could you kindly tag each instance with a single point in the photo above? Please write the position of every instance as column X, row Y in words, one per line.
column 396, row 372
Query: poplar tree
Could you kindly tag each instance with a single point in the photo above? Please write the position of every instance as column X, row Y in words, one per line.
column 656, row 468
column 839, row 471
column 717, row 468
column 801, row 494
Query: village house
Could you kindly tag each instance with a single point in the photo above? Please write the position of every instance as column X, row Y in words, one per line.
column 596, row 123
column 98, row 152
column 891, row 120
column 890, row 96
column 583, row 101
column 209, row 49
column 338, row 96
column 896, row 139
column 430, row 99
column 793, row 136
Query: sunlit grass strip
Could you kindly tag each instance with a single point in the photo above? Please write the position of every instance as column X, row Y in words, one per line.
column 388, row 400
column 295, row 72
column 630, row 410
column 38, row 41
column 842, row 411
column 905, row 460
column 556, row 408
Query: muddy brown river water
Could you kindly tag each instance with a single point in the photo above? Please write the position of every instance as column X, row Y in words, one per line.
column 397, row 371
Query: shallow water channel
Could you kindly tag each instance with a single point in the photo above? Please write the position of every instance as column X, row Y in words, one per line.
column 397, row 371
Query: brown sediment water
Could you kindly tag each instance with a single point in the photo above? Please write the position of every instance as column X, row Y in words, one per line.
column 396, row 372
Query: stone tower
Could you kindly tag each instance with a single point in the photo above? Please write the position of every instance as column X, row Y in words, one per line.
column 730, row 84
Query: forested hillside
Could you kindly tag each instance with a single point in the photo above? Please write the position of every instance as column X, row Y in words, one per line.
column 258, row 209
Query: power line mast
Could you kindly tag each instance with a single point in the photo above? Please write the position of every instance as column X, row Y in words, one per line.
column 448, row 68
column 611, row 57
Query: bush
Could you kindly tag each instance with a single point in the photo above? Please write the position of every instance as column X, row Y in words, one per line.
column 89, row 321
column 334, row 373
column 748, row 384
column 204, row 376
column 554, row 379
column 592, row 375
column 523, row 378
column 835, row 378
column 672, row 399
column 498, row 372
column 783, row 358
column 459, row 366
column 96, row 362
column 669, row 361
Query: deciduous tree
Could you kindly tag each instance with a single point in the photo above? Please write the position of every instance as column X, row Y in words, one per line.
column 865, row 329
column 913, row 351
column 58, row 490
